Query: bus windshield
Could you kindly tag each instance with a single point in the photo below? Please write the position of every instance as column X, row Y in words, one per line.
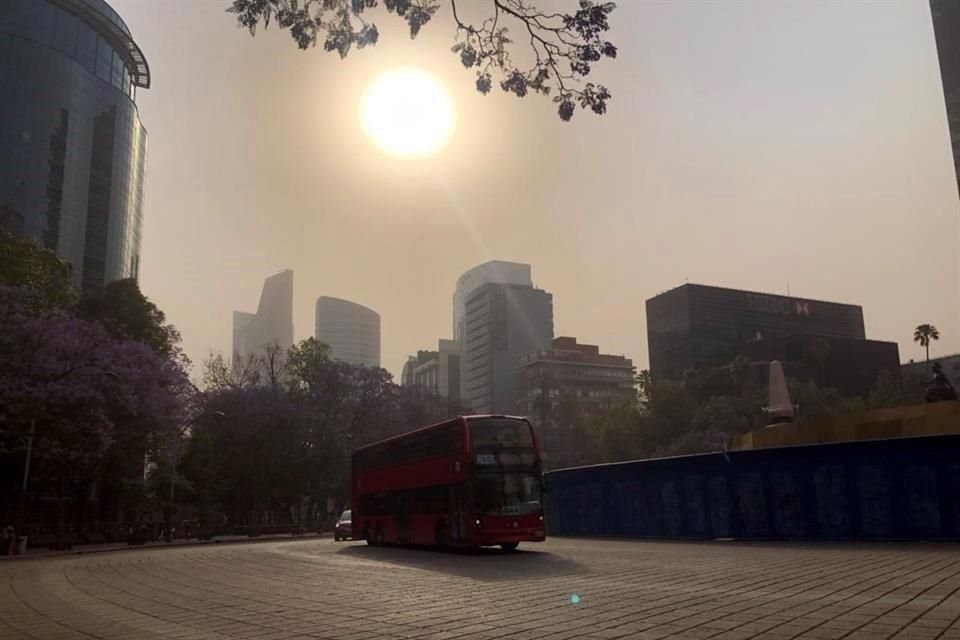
column 506, row 493
column 500, row 432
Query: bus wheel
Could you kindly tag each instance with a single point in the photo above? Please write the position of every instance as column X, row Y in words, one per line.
column 368, row 534
column 379, row 537
column 509, row 546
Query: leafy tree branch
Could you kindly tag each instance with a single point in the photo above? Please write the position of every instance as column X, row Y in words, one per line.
column 564, row 46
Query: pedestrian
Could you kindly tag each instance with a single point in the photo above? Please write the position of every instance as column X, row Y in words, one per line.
column 8, row 542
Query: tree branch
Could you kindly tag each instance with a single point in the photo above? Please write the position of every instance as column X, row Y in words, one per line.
column 556, row 39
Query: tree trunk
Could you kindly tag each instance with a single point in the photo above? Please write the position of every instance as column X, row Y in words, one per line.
column 928, row 354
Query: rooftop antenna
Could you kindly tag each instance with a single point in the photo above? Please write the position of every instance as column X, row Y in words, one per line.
column 788, row 287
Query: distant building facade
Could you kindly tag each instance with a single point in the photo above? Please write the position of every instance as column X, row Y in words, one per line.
column 501, row 322
column 946, row 26
column 849, row 365
column 597, row 380
column 570, row 377
column 273, row 321
column 406, row 375
column 352, row 331
column 495, row 271
column 438, row 372
column 72, row 148
column 702, row 327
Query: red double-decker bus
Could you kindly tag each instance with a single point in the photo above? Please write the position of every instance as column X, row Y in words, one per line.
column 468, row 482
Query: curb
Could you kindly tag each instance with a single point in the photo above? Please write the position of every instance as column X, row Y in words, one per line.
column 41, row 555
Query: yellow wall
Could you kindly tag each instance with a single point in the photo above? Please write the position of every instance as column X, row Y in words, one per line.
column 919, row 420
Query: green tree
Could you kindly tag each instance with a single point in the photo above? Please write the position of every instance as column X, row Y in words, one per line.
column 670, row 411
column 306, row 363
column 24, row 263
column 620, row 433
column 644, row 381
column 128, row 314
column 923, row 335
column 887, row 392
column 741, row 370
column 816, row 402
column 563, row 47
column 711, row 383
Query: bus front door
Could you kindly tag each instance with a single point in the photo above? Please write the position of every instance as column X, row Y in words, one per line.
column 456, row 514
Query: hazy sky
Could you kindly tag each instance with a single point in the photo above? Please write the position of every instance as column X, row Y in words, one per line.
column 747, row 145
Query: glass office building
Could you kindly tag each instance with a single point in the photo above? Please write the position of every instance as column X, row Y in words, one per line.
column 352, row 331
column 72, row 148
column 700, row 327
column 946, row 26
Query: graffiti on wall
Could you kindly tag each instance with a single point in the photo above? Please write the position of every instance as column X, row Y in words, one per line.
column 904, row 488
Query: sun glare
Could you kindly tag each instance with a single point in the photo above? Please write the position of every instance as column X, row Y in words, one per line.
column 406, row 112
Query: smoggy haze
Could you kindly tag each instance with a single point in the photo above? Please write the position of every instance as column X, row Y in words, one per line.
column 747, row 144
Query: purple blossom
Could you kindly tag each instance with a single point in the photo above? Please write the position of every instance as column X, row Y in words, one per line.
column 75, row 382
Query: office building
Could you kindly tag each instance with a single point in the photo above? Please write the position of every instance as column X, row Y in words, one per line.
column 72, row 148
column 598, row 381
column 496, row 271
column 500, row 323
column 437, row 372
column 406, row 375
column 946, row 27
column 352, row 331
column 271, row 324
column 702, row 327
column 849, row 365
column 570, row 382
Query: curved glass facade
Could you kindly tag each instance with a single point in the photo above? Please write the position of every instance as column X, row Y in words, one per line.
column 72, row 148
column 352, row 331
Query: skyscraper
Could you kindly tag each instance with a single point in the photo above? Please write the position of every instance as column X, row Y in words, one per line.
column 273, row 321
column 946, row 26
column 493, row 271
column 72, row 148
column 501, row 322
column 352, row 331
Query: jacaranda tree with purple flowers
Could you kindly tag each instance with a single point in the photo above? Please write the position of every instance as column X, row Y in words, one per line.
column 68, row 388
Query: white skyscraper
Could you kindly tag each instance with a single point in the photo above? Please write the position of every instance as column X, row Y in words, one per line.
column 351, row 330
column 273, row 321
column 497, row 271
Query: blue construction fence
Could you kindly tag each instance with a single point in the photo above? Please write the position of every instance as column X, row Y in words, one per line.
column 905, row 488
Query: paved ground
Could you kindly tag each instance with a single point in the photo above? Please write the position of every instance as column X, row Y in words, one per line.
column 80, row 549
column 626, row 589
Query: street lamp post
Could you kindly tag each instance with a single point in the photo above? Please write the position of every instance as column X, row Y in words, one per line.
column 22, row 501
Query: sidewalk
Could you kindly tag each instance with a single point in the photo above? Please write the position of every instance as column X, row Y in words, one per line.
column 41, row 552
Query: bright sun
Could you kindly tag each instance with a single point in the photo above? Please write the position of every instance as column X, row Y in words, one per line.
column 405, row 112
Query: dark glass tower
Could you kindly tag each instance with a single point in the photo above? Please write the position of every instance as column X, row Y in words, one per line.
column 946, row 25
column 72, row 148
